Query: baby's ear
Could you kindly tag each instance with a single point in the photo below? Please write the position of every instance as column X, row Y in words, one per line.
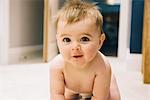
column 101, row 39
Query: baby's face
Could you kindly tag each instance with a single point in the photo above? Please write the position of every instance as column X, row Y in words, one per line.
column 78, row 42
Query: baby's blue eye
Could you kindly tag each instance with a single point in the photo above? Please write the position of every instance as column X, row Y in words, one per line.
column 66, row 40
column 85, row 39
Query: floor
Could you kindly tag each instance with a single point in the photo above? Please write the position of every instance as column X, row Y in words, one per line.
column 30, row 81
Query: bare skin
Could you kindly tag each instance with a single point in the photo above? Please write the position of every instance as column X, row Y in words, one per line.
column 80, row 68
column 90, row 80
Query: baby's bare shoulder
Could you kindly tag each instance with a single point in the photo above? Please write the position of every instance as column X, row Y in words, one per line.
column 103, row 64
column 57, row 62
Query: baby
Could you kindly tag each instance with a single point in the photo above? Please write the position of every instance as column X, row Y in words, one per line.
column 81, row 71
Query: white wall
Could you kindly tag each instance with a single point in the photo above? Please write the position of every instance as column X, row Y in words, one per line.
column 26, row 22
column 4, row 31
column 124, row 28
column 21, row 23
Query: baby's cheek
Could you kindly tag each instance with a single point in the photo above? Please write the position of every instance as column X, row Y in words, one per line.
column 91, row 51
column 65, row 52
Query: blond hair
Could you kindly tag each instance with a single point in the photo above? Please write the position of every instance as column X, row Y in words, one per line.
column 76, row 10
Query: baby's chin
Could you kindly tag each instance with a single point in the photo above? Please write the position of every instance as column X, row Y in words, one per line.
column 78, row 65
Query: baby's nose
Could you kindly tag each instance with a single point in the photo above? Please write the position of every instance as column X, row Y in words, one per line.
column 76, row 46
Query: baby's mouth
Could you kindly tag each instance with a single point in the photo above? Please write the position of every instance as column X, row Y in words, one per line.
column 77, row 56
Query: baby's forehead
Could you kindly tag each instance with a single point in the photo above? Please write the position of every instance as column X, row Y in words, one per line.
column 65, row 21
column 87, row 22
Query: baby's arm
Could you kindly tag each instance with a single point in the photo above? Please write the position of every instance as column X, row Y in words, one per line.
column 114, row 90
column 57, row 84
column 102, row 84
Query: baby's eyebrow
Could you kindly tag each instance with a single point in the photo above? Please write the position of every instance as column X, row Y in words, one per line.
column 87, row 34
column 62, row 35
